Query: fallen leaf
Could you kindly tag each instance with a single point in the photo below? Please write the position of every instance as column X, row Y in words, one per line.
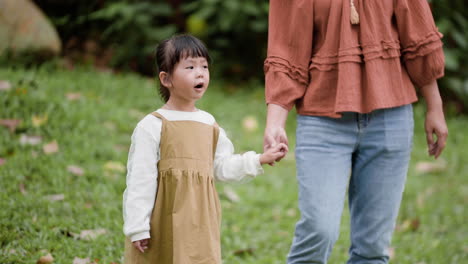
column 75, row 170
column 231, row 194
column 283, row 233
column 22, row 188
column 30, row 140
column 291, row 212
column 5, row 85
column 55, row 197
column 404, row 226
column 21, row 91
column 250, row 124
column 409, row 225
column 11, row 124
column 114, row 166
column 45, row 259
column 415, row 223
column 78, row 260
column 431, row 167
column 51, row 147
column 244, row 252
column 73, row 96
column 2, row 161
column 277, row 213
column 39, row 120
column 91, row 234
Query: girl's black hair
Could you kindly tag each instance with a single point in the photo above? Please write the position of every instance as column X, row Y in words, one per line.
column 170, row 51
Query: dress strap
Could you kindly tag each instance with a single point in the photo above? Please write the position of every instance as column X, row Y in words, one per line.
column 158, row 115
column 215, row 137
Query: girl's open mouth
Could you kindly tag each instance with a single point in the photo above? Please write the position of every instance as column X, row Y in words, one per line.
column 199, row 86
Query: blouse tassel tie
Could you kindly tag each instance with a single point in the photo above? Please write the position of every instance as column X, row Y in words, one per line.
column 354, row 14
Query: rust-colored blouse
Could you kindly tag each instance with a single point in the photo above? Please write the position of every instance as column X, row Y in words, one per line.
column 321, row 63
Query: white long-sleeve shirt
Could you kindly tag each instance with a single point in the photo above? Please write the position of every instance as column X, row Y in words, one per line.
column 142, row 172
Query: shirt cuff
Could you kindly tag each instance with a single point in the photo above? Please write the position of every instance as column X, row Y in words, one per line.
column 140, row 236
column 259, row 166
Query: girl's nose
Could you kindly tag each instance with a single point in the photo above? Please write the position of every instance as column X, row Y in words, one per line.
column 199, row 73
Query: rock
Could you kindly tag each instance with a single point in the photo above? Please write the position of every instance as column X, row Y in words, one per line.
column 24, row 28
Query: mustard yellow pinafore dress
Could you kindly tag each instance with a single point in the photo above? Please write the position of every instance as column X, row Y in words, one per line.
column 186, row 219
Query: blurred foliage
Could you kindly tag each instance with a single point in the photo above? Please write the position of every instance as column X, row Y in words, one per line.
column 121, row 34
column 235, row 32
column 131, row 26
column 129, row 30
column 452, row 19
column 124, row 34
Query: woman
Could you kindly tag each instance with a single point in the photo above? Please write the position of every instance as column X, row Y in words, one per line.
column 350, row 67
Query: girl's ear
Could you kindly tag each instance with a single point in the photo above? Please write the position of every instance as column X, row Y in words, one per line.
column 165, row 79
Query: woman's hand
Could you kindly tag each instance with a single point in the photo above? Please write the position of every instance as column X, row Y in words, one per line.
column 141, row 245
column 435, row 125
column 274, row 136
column 274, row 131
column 435, row 120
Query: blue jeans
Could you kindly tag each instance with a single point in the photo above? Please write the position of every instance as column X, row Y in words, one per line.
column 369, row 155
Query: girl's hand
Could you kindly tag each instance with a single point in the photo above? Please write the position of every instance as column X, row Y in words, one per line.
column 274, row 154
column 435, row 125
column 141, row 245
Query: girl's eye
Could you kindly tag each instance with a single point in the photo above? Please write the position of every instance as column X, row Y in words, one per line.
column 205, row 66
column 189, row 67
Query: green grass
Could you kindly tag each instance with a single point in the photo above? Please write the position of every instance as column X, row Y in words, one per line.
column 96, row 129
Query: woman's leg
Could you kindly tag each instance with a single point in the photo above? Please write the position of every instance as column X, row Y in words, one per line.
column 380, row 165
column 323, row 159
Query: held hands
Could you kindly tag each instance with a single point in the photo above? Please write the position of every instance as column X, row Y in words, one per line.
column 275, row 145
column 273, row 154
column 141, row 245
column 435, row 125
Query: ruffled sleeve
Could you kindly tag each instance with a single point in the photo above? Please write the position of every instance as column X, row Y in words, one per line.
column 420, row 41
column 290, row 31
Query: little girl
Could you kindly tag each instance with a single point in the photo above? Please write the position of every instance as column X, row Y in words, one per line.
column 171, row 209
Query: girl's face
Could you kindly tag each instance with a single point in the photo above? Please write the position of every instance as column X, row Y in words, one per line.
column 189, row 79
